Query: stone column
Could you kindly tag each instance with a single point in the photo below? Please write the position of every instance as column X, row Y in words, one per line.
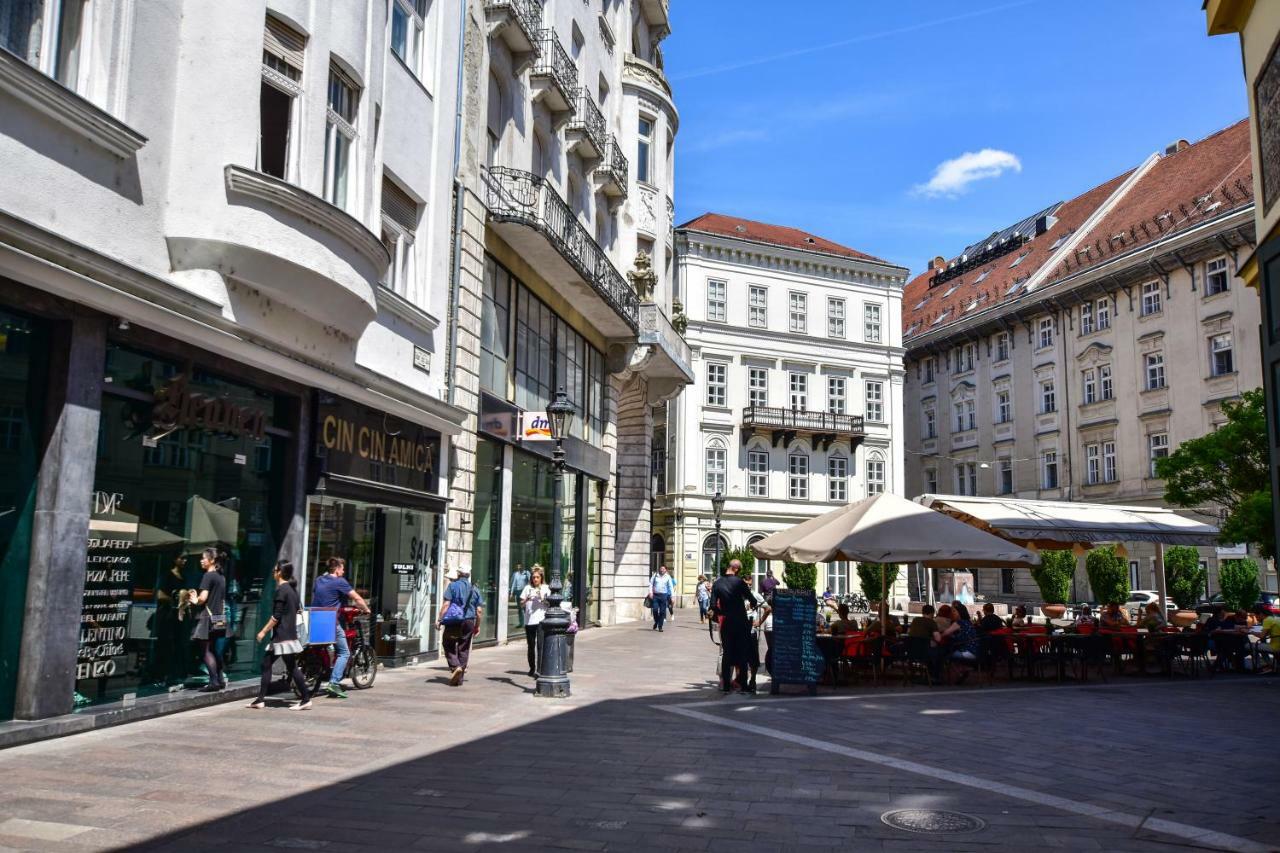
column 60, row 524
column 466, row 373
column 635, row 440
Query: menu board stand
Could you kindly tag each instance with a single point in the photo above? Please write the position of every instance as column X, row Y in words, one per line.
column 796, row 656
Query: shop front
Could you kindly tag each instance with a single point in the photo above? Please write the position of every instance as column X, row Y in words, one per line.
column 374, row 500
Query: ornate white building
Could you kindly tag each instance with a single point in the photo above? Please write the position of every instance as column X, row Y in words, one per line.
column 797, row 403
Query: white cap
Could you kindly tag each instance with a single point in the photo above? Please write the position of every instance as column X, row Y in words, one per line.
column 451, row 575
column 464, row 570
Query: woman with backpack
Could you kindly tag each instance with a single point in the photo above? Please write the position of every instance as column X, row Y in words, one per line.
column 459, row 616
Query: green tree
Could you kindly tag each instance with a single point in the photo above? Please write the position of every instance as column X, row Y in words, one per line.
column 1228, row 467
column 800, row 575
column 1239, row 582
column 1108, row 575
column 1184, row 575
column 1054, row 574
column 869, row 577
column 743, row 555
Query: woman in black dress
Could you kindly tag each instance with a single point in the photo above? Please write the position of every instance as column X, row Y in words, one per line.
column 283, row 627
column 211, row 617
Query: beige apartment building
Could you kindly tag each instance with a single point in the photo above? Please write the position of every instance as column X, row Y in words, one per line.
column 1062, row 356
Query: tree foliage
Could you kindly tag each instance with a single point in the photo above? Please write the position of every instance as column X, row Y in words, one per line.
column 800, row 575
column 1228, row 467
column 1239, row 582
column 1054, row 574
column 869, row 578
column 1184, row 575
column 1108, row 575
column 743, row 555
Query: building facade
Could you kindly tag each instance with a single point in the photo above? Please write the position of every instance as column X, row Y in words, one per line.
column 224, row 249
column 797, row 403
column 1061, row 357
column 562, row 281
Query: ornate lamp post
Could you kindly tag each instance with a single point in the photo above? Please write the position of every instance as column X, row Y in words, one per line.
column 717, row 507
column 553, row 631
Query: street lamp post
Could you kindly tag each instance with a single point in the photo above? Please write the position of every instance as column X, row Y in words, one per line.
column 553, row 631
column 717, row 507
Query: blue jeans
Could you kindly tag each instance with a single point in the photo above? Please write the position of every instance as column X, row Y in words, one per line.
column 344, row 655
column 661, row 603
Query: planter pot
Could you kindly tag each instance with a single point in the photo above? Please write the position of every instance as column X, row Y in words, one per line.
column 1054, row 611
column 1184, row 618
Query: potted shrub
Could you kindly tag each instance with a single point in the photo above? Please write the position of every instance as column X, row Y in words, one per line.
column 800, row 575
column 1053, row 577
column 1184, row 577
column 1108, row 575
column 876, row 579
column 1239, row 582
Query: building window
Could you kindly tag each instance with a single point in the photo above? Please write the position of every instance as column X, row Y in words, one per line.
column 836, row 395
column 835, row 318
column 837, row 479
column 1109, row 461
column 644, row 149
column 399, row 223
column 875, row 474
column 799, row 312
column 1006, row 476
column 717, row 384
column 1049, row 463
column 1086, row 318
column 798, row 466
column 966, row 478
column 1104, row 382
column 1215, row 277
column 838, row 577
column 1046, row 332
column 714, row 547
column 1006, row 582
column 875, row 401
column 930, row 481
column 1220, row 356
column 871, row 322
column 758, row 473
column 965, row 356
column 799, row 391
column 26, row 25
column 1093, row 464
column 716, row 295
column 930, row 423
column 340, row 138
column 495, row 330
column 758, row 386
column 1103, row 313
column 1090, row 386
column 1155, row 370
column 1157, row 449
column 757, row 306
column 282, row 53
column 1002, row 346
column 408, row 20
column 1151, row 303
column 1048, row 397
column 716, row 465
column 966, row 415
column 930, row 368
column 1004, row 406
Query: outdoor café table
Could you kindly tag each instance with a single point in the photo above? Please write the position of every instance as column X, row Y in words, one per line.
column 1141, row 642
column 1235, row 642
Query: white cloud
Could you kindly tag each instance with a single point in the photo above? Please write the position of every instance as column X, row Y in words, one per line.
column 952, row 177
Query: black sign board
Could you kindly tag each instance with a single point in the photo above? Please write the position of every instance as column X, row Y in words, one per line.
column 796, row 656
column 364, row 444
column 403, row 568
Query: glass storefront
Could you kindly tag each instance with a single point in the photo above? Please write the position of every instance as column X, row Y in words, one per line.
column 486, row 541
column 187, row 460
column 23, row 356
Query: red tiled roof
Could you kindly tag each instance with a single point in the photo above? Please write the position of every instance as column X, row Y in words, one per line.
column 776, row 235
column 1178, row 178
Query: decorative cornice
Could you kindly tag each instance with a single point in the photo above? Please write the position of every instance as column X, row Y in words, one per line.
column 405, row 310
column 732, row 249
column 640, row 73
column 1095, row 347
column 338, row 222
column 64, row 106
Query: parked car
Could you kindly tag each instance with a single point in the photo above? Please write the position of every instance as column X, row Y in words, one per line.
column 1268, row 601
column 1140, row 598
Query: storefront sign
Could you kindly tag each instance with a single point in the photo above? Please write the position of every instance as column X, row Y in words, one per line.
column 367, row 444
column 403, row 568
column 535, row 426
column 178, row 407
column 108, row 588
column 1239, row 550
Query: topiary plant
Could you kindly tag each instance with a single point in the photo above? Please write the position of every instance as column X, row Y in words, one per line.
column 1239, row 582
column 743, row 555
column 869, row 577
column 800, row 575
column 1054, row 574
column 1108, row 575
column 1184, row 575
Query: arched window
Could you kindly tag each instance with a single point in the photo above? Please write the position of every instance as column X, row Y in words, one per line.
column 539, row 162
column 761, row 567
column 798, row 474
column 497, row 121
column 657, row 552
column 709, row 554
column 876, row 473
column 717, row 460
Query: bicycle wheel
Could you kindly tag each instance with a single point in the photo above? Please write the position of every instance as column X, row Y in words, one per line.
column 363, row 668
column 312, row 674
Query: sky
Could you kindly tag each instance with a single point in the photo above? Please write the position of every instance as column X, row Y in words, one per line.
column 913, row 128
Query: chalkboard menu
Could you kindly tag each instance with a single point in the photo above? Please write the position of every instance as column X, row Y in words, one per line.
column 796, row 656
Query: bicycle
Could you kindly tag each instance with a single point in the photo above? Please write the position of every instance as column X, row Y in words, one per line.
column 855, row 601
column 317, row 659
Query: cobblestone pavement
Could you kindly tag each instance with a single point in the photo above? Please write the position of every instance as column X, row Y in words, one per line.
column 646, row 756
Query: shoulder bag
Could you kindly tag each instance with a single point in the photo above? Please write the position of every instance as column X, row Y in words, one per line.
column 455, row 613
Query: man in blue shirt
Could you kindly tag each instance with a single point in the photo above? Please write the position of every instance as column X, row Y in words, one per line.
column 457, row 635
column 661, row 586
column 332, row 590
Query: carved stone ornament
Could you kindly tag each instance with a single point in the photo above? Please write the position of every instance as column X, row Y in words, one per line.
column 643, row 278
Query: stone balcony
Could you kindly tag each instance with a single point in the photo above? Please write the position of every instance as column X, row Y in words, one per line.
column 667, row 360
column 517, row 23
column 786, row 424
column 657, row 14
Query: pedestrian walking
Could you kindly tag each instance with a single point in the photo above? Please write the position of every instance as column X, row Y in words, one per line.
column 332, row 590
column 768, row 584
column 730, row 599
column 660, row 589
column 460, row 614
column 533, row 603
column 704, row 597
column 284, row 645
column 211, row 621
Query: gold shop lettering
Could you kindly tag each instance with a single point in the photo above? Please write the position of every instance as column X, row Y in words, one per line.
column 344, row 436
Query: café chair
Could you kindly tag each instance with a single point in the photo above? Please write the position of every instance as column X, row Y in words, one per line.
column 1190, row 653
column 917, row 659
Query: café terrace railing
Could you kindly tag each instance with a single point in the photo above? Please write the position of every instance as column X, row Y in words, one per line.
column 513, row 195
column 801, row 420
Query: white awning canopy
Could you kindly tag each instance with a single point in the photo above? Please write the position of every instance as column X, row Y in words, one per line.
column 1050, row 524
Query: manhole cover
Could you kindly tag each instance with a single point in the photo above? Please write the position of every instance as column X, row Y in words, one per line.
column 932, row 820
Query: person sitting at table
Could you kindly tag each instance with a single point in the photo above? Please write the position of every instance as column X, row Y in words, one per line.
column 1113, row 616
column 844, row 625
column 1085, row 618
column 924, row 624
column 944, row 618
column 1152, row 619
column 961, row 638
column 1020, row 618
column 989, row 621
column 1217, row 620
column 1270, row 644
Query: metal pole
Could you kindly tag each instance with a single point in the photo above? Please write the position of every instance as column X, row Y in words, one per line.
column 715, row 568
column 553, row 631
column 1160, row 583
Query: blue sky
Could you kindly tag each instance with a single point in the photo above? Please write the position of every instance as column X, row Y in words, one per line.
column 836, row 115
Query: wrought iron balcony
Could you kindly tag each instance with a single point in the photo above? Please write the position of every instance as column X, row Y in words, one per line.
column 517, row 23
column 528, row 214
column 587, row 132
column 785, row 424
column 555, row 78
column 611, row 173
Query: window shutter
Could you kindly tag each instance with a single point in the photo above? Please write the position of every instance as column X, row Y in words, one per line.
column 284, row 42
column 399, row 207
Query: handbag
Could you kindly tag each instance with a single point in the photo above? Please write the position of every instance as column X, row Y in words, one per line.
column 455, row 613
column 217, row 623
column 648, row 601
